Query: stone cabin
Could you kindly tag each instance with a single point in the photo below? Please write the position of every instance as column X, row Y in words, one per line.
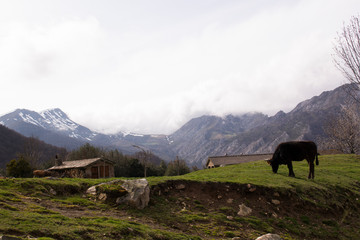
column 84, row 168
column 221, row 161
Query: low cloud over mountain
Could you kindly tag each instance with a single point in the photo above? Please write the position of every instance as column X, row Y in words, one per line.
column 198, row 138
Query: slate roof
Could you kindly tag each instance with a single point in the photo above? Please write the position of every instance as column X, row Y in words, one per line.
column 236, row 159
column 78, row 163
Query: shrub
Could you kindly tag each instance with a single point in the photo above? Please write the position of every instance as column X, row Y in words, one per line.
column 19, row 168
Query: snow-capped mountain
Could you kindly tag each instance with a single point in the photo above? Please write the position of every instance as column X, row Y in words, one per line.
column 58, row 120
column 55, row 127
column 53, row 120
column 52, row 126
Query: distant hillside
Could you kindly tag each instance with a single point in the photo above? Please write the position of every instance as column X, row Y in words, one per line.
column 12, row 143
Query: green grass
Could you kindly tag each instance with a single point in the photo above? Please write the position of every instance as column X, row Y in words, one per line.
column 77, row 200
column 335, row 188
column 21, row 213
column 333, row 170
column 37, row 224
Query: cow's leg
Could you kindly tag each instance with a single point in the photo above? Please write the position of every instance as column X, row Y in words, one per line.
column 311, row 170
column 291, row 171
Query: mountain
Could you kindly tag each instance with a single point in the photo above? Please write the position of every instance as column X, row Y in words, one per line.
column 256, row 133
column 51, row 126
column 55, row 127
column 212, row 135
column 197, row 139
column 12, row 143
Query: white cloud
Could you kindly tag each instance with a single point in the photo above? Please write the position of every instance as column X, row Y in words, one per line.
column 151, row 67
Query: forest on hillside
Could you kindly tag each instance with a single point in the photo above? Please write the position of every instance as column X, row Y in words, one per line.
column 13, row 144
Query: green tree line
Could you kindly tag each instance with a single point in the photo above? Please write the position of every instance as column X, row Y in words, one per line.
column 132, row 165
column 124, row 165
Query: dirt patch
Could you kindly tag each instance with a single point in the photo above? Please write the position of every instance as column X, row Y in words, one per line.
column 212, row 195
column 282, row 211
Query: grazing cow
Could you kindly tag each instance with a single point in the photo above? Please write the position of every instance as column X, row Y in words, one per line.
column 42, row 173
column 287, row 152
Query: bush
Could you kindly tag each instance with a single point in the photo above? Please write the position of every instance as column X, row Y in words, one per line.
column 19, row 168
column 176, row 168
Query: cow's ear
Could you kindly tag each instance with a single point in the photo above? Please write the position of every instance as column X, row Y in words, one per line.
column 268, row 161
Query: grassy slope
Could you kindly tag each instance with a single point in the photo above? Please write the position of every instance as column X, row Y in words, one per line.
column 24, row 211
column 333, row 170
column 25, row 206
column 334, row 195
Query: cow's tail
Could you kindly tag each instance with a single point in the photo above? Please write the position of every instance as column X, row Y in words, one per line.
column 317, row 160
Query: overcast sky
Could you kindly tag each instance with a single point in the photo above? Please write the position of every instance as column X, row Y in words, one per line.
column 149, row 66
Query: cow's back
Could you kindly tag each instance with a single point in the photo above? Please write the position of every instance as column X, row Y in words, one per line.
column 297, row 151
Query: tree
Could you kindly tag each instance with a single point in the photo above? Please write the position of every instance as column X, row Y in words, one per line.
column 135, row 169
column 19, row 167
column 32, row 151
column 177, row 167
column 144, row 156
column 162, row 168
column 86, row 151
column 344, row 130
column 347, row 55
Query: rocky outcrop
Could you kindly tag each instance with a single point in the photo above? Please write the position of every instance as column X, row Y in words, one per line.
column 138, row 193
column 134, row 193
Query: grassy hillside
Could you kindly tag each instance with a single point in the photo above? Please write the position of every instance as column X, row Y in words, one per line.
column 199, row 205
column 333, row 170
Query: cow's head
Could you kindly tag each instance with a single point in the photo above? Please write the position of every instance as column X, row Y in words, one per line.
column 273, row 164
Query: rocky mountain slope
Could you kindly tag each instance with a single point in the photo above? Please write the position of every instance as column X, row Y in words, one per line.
column 255, row 132
column 197, row 139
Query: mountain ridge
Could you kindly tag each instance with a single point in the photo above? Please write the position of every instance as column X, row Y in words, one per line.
column 197, row 139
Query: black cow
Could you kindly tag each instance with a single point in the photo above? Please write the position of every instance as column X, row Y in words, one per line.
column 287, row 152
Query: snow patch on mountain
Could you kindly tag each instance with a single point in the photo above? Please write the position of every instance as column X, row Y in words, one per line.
column 169, row 140
column 131, row 134
column 29, row 119
column 58, row 120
